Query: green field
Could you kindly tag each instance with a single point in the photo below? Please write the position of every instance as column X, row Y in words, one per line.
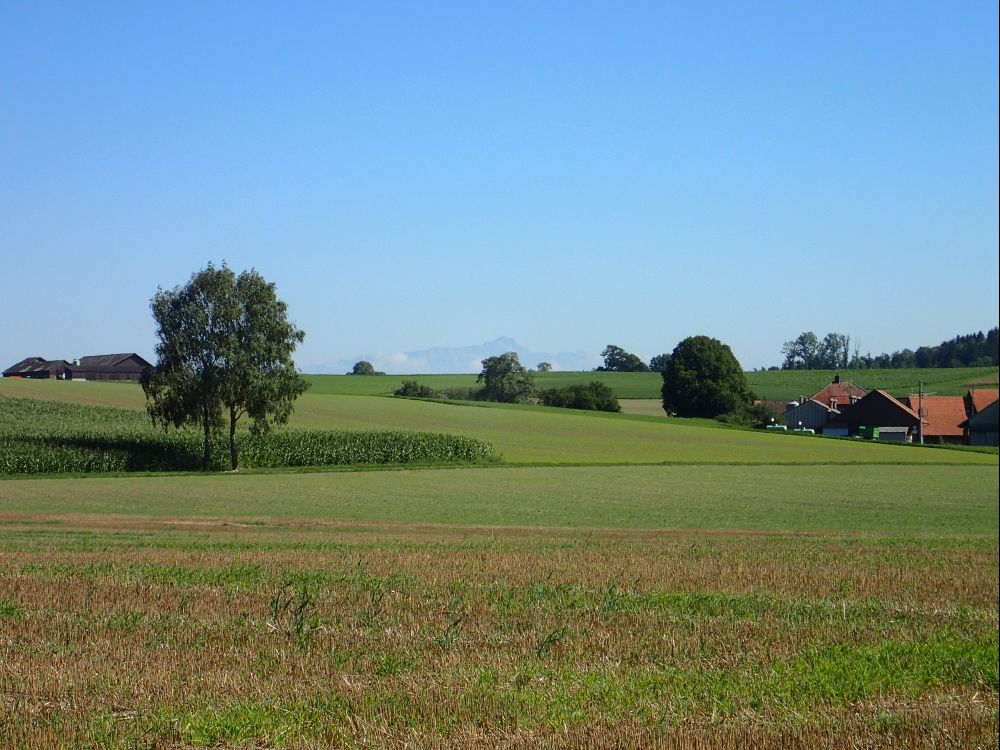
column 792, row 384
column 624, row 384
column 620, row 581
column 774, row 384
column 877, row 499
column 531, row 434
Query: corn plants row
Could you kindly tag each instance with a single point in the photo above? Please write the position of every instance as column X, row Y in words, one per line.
column 181, row 451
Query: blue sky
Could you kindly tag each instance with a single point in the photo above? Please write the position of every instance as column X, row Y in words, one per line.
column 414, row 175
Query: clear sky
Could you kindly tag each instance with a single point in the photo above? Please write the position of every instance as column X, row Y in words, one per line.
column 414, row 175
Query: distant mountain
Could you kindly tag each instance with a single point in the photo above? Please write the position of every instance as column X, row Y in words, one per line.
column 459, row 359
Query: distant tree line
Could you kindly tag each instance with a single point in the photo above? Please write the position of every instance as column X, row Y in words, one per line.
column 617, row 359
column 701, row 378
column 506, row 380
column 809, row 352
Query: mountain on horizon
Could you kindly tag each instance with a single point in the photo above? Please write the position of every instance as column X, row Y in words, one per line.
column 440, row 360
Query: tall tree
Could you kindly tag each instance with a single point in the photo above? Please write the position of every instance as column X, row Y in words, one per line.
column 183, row 386
column 224, row 344
column 834, row 351
column 703, row 379
column 802, row 353
column 505, row 379
column 260, row 379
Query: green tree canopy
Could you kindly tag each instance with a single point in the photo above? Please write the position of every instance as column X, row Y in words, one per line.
column 364, row 368
column 224, row 347
column 505, row 379
column 808, row 352
column 659, row 362
column 703, row 379
column 802, row 352
column 617, row 359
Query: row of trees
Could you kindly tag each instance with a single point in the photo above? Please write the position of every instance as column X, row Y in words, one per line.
column 809, row 352
column 971, row 350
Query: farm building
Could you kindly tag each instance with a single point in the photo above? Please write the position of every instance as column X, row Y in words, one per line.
column 979, row 398
column 810, row 414
column 942, row 417
column 840, row 394
column 983, row 427
column 876, row 409
column 109, row 367
column 127, row 366
column 37, row 368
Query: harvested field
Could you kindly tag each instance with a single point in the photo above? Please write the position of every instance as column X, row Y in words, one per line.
column 308, row 634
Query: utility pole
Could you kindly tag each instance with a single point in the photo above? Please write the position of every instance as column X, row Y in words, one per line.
column 920, row 410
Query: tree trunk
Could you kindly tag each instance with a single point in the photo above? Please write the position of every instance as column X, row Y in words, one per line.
column 206, row 456
column 232, row 439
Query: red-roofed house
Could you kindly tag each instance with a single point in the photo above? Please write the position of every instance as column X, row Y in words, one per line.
column 943, row 417
column 979, row 398
column 840, row 394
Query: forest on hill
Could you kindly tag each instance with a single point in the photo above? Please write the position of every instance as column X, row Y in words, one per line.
column 833, row 351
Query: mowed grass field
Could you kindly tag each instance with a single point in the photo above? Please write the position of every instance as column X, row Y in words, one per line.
column 622, row 581
column 526, row 434
column 773, row 384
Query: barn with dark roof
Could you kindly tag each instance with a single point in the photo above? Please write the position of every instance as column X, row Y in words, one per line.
column 128, row 366
column 38, row 368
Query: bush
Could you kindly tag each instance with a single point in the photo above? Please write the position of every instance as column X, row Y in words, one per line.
column 462, row 393
column 413, row 389
column 594, row 397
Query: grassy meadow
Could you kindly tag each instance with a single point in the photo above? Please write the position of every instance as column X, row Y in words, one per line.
column 773, row 384
column 615, row 581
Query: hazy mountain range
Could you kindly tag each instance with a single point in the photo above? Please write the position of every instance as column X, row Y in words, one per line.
column 456, row 359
